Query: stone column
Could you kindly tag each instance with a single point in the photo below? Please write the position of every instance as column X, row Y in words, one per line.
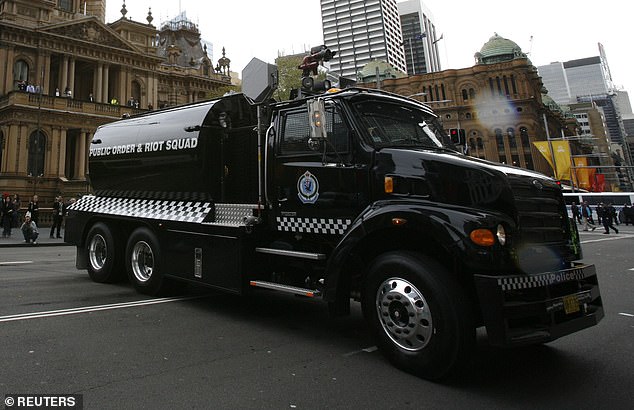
column 105, row 97
column 46, row 61
column 71, row 76
column 63, row 75
column 98, row 84
column 8, row 64
column 61, row 170
column 80, row 156
column 20, row 144
column 4, row 70
column 11, row 162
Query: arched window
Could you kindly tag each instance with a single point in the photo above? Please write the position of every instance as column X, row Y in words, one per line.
column 480, row 143
column 499, row 138
column 472, row 144
column 136, row 91
column 20, row 74
column 524, row 137
column 511, row 134
column 37, row 149
column 465, row 96
column 472, row 93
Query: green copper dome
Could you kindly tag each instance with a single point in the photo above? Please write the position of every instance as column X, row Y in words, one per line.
column 385, row 70
column 498, row 49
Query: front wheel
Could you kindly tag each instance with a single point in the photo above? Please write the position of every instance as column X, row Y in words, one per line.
column 419, row 315
column 143, row 262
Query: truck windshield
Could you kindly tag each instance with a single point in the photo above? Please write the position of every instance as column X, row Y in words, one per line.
column 389, row 124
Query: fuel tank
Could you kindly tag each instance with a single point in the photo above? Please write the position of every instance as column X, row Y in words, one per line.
column 203, row 151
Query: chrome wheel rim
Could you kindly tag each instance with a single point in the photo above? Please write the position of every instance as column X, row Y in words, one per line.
column 404, row 314
column 142, row 261
column 97, row 252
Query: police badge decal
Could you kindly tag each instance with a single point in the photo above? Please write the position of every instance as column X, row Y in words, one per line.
column 308, row 188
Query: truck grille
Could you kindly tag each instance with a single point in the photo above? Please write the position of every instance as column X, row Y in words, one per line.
column 542, row 219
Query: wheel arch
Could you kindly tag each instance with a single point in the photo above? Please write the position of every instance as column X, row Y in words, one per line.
column 428, row 231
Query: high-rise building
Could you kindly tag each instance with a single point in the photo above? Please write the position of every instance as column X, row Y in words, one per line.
column 588, row 80
column 419, row 38
column 362, row 31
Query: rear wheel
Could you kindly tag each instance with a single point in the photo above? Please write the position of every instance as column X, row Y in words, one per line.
column 143, row 262
column 102, row 256
column 419, row 315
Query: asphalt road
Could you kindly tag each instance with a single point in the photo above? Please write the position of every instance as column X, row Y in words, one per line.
column 60, row 333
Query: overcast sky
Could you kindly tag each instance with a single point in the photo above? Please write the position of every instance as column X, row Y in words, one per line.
column 561, row 30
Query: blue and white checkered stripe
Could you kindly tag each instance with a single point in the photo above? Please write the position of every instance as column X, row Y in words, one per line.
column 182, row 211
column 540, row 280
column 313, row 225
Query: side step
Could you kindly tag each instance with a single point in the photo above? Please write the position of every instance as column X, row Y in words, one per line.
column 295, row 254
column 311, row 293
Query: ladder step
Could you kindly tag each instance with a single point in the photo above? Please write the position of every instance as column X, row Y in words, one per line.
column 311, row 293
column 295, row 254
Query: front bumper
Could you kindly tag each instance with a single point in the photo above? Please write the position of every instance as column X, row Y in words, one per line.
column 527, row 309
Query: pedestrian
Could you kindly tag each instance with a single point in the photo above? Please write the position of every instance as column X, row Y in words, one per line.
column 29, row 230
column 34, row 209
column 7, row 216
column 576, row 214
column 628, row 214
column 600, row 213
column 17, row 204
column 586, row 214
column 59, row 210
column 608, row 210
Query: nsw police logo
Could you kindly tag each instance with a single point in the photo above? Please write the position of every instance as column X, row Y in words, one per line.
column 308, row 188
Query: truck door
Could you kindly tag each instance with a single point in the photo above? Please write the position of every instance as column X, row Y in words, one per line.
column 316, row 188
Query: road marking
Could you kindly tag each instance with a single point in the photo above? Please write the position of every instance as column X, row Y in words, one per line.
column 88, row 309
column 626, row 314
column 11, row 263
column 632, row 269
column 609, row 238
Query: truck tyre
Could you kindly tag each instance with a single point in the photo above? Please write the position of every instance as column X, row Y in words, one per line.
column 419, row 315
column 103, row 259
column 143, row 262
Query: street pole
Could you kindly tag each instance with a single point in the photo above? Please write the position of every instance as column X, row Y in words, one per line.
column 550, row 146
column 411, row 54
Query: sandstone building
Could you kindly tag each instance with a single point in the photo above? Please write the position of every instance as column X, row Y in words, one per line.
column 64, row 71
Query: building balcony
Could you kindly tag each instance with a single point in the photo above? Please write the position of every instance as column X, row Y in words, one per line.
column 66, row 105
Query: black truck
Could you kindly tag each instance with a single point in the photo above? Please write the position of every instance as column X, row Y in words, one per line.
column 351, row 195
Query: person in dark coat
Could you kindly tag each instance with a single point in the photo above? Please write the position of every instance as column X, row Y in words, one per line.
column 34, row 209
column 608, row 211
column 628, row 214
column 59, row 210
column 7, row 216
column 576, row 213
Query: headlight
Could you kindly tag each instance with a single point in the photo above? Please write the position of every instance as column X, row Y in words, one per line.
column 501, row 235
